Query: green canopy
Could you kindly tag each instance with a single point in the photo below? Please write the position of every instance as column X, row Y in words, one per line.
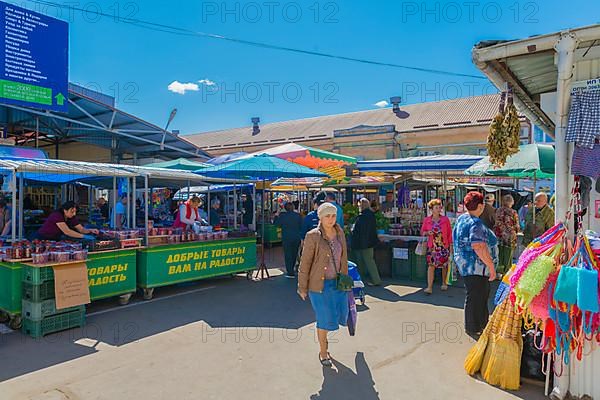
column 180, row 163
column 533, row 161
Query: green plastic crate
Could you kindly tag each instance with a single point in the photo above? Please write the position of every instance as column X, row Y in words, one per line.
column 38, row 293
column 418, row 268
column 46, row 308
column 401, row 269
column 37, row 275
column 55, row 323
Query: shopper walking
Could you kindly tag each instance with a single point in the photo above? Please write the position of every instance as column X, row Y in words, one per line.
column 291, row 225
column 474, row 247
column 324, row 255
column 506, row 229
column 363, row 241
column 438, row 231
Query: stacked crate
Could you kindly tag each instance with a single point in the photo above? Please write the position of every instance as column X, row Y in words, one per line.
column 40, row 316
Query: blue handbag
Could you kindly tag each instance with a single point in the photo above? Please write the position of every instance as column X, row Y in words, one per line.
column 587, row 284
column 566, row 284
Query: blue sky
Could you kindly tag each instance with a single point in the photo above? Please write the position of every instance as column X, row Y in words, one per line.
column 137, row 65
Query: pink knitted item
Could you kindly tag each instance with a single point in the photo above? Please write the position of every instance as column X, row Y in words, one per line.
column 530, row 254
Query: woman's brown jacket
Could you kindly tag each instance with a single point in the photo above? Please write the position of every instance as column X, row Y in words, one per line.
column 316, row 255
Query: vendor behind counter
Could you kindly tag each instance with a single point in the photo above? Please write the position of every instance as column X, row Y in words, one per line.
column 64, row 223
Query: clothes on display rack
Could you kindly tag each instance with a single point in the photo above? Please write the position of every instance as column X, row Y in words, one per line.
column 584, row 119
column 586, row 161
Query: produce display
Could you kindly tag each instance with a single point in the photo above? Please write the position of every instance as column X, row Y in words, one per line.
column 408, row 221
column 43, row 252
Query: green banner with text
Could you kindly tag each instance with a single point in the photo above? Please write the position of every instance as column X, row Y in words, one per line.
column 111, row 273
column 166, row 265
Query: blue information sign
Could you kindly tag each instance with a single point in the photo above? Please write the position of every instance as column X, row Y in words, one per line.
column 34, row 55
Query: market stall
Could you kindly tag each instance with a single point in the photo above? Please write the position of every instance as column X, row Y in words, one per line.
column 173, row 255
column 408, row 209
column 260, row 168
column 26, row 270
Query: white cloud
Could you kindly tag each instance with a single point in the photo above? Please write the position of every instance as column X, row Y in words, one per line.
column 382, row 104
column 206, row 82
column 181, row 88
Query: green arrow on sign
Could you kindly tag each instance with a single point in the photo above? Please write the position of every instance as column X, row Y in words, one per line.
column 60, row 99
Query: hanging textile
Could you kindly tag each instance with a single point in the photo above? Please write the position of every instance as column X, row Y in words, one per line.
column 586, row 161
column 584, row 119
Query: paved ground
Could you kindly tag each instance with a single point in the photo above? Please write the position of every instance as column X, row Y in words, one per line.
column 235, row 339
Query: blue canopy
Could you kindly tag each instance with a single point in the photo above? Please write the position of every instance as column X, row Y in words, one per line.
column 260, row 167
column 417, row 164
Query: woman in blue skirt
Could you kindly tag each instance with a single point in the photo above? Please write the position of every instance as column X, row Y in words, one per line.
column 324, row 255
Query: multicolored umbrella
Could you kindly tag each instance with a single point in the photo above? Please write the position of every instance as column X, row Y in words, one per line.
column 307, row 156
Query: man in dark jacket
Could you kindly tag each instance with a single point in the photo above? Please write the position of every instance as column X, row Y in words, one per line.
column 488, row 217
column 291, row 224
column 363, row 241
column 247, row 209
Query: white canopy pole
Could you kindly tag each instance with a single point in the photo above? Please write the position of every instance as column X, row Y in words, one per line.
column 254, row 208
column 235, row 201
column 134, row 202
column 128, row 194
column 146, row 202
column 114, row 204
column 21, row 195
column 14, row 207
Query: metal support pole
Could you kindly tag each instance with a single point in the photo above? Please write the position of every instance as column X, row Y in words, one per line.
column 21, row 195
column 128, row 194
column 188, row 190
column 13, row 224
column 208, row 205
column 148, row 199
column 37, row 132
column 113, row 207
column 134, row 203
column 262, row 269
column 254, row 208
column 90, row 202
column 235, row 204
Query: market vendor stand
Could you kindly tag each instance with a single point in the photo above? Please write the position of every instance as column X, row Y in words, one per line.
column 260, row 168
column 406, row 218
column 162, row 263
column 14, row 273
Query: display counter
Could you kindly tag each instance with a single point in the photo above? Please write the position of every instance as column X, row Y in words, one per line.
column 10, row 293
column 110, row 273
column 164, row 265
column 395, row 256
column 272, row 234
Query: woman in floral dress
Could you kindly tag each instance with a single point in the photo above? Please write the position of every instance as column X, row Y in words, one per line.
column 506, row 229
column 438, row 231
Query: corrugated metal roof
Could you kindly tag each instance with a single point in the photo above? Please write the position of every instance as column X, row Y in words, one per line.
column 476, row 110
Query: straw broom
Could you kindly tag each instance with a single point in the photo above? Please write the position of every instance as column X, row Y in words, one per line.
column 474, row 358
column 493, row 337
column 504, row 364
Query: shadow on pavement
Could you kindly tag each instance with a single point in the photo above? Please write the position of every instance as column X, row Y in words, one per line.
column 343, row 383
column 219, row 303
